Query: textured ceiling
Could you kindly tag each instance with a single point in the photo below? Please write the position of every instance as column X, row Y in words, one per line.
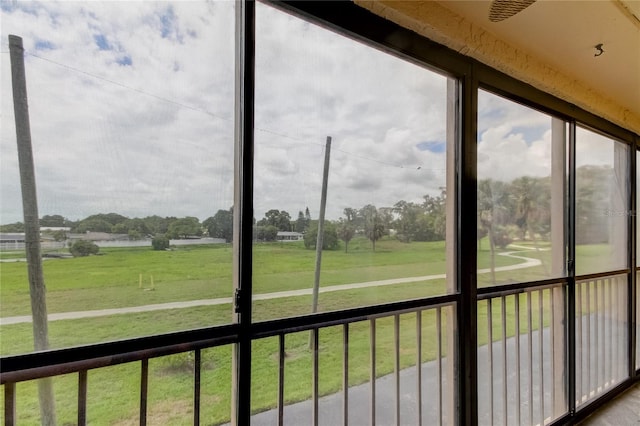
column 564, row 34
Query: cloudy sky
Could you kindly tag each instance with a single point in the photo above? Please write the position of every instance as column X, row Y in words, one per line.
column 131, row 107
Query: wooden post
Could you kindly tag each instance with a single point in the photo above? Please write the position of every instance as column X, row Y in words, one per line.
column 320, row 239
column 31, row 225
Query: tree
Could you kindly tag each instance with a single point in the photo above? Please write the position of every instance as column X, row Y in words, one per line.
column 352, row 216
column 435, row 209
column 59, row 236
column 409, row 225
column 274, row 217
column 93, row 224
column 111, row 218
column 134, row 235
column 329, row 238
column 220, row 225
column 302, row 223
column 373, row 224
column 160, row 242
column 345, row 233
column 132, row 227
column 55, row 221
column 156, row 224
column 83, row 248
column 593, row 198
column 525, row 192
column 266, row 233
column 184, row 228
column 12, row 227
column 493, row 212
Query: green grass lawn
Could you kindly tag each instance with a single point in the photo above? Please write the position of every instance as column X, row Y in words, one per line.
column 202, row 272
column 112, row 280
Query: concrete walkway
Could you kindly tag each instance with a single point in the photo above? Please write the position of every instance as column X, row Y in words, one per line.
column 434, row 410
column 528, row 263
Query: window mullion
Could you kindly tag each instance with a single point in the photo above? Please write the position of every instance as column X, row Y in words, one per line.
column 243, row 206
column 571, row 273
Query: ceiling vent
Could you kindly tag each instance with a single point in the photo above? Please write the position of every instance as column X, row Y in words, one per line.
column 503, row 9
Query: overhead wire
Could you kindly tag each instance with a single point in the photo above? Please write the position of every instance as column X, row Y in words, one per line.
column 209, row 113
column 161, row 98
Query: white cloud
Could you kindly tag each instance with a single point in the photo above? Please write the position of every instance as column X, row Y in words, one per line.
column 515, row 141
column 151, row 137
column 132, row 111
column 505, row 155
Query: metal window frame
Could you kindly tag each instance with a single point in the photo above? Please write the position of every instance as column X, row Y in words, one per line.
column 352, row 21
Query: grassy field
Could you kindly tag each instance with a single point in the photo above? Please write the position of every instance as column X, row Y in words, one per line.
column 202, row 272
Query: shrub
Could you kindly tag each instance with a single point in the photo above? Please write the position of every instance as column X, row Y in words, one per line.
column 267, row 233
column 329, row 240
column 160, row 243
column 501, row 237
column 83, row 248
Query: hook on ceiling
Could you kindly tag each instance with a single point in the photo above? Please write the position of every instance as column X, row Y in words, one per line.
column 599, row 49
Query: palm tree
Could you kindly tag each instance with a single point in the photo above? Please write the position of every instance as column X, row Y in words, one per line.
column 493, row 209
column 373, row 223
column 532, row 207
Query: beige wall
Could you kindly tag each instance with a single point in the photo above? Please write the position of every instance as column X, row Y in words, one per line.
column 443, row 26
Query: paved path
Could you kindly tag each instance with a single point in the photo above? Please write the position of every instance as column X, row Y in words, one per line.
column 359, row 402
column 528, row 263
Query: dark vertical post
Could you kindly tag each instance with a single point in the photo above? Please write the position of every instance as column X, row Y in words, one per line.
column 372, row 372
column 315, row 379
column 197, row 377
column 419, row 367
column 31, row 225
column 396, row 365
column 144, row 390
column 345, row 374
column 558, row 264
column 466, row 256
column 571, row 278
column 9, row 404
column 82, row 398
column 632, row 307
column 633, row 246
column 281, row 356
column 243, row 207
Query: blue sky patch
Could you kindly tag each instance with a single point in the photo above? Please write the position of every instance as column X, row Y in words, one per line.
column 125, row 60
column 101, row 42
column 5, row 6
column 433, row 146
column 44, row 45
column 12, row 6
column 530, row 134
column 167, row 20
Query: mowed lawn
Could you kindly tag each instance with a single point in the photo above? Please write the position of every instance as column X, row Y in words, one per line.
column 112, row 280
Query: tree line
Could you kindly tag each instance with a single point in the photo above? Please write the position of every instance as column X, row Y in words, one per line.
column 519, row 209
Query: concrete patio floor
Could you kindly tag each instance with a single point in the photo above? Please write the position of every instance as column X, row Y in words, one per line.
column 622, row 411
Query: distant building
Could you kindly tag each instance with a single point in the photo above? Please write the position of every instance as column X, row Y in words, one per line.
column 289, row 236
column 12, row 237
column 98, row 236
